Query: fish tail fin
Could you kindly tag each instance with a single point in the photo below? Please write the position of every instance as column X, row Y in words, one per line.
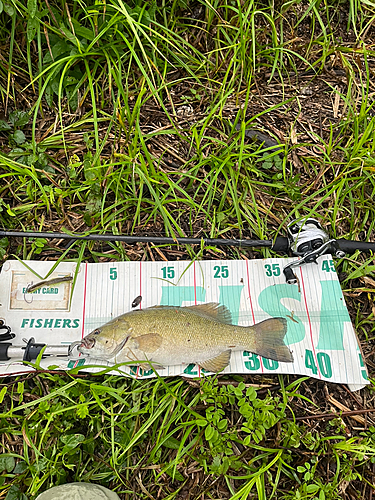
column 270, row 340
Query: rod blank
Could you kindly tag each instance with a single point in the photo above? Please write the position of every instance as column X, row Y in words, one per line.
column 161, row 240
column 281, row 244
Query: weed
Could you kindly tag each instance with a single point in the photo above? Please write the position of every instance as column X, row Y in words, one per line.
column 95, row 137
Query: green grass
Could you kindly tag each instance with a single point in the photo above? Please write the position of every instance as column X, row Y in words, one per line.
column 118, row 429
column 120, row 117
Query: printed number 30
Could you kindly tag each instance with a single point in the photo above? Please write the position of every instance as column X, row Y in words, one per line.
column 272, row 271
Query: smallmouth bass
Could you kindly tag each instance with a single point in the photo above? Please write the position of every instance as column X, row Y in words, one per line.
column 168, row 335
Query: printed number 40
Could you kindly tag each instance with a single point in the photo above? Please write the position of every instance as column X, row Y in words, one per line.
column 273, row 270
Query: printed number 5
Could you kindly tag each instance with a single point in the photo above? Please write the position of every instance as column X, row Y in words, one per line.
column 113, row 273
column 272, row 271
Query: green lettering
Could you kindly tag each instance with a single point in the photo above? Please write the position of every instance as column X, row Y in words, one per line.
column 310, row 361
column 176, row 295
column 38, row 323
column 333, row 315
column 252, row 361
column 32, row 323
column 364, row 372
column 328, row 266
column 270, row 364
column 189, row 370
column 133, row 370
column 138, row 371
column 268, row 270
column 270, row 301
column 66, row 323
column 144, row 373
column 24, row 322
column 324, row 362
column 75, row 323
column 48, row 323
column 57, row 323
column 272, row 271
column 230, row 296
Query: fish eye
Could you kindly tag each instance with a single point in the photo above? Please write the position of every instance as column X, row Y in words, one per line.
column 96, row 332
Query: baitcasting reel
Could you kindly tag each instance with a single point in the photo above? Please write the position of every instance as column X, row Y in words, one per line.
column 308, row 240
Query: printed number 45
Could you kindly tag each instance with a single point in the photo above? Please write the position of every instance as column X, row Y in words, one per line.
column 328, row 266
column 272, row 270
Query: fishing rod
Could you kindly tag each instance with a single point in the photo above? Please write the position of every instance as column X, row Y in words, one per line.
column 279, row 244
column 306, row 240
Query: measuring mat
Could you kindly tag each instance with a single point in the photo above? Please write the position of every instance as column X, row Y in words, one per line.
column 319, row 333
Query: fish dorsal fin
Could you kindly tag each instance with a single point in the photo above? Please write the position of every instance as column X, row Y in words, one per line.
column 148, row 342
column 215, row 311
column 218, row 363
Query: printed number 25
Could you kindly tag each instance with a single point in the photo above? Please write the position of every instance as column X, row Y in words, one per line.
column 273, row 270
column 221, row 272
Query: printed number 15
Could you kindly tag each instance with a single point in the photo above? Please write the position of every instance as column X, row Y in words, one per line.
column 168, row 272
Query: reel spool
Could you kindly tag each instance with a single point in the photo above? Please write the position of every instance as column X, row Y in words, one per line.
column 308, row 240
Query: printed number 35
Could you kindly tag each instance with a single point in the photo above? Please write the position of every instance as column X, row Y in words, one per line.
column 272, row 270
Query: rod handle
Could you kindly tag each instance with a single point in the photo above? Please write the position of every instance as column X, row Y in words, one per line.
column 350, row 246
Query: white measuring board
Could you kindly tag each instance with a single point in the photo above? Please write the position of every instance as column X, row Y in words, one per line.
column 319, row 333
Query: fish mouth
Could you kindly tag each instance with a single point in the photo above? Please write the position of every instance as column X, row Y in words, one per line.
column 87, row 343
column 72, row 346
column 82, row 345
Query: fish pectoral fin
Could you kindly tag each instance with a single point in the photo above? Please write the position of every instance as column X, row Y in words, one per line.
column 148, row 342
column 218, row 363
column 214, row 310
